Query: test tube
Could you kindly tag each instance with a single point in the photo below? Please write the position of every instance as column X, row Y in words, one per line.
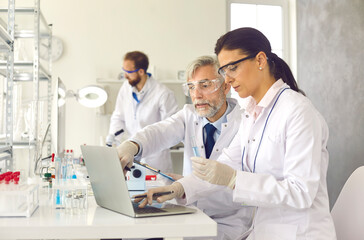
column 64, row 168
column 58, row 169
column 58, row 199
column 194, row 147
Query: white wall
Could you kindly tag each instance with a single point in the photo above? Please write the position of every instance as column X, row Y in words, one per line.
column 98, row 33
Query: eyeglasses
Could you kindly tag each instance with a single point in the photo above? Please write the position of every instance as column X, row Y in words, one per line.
column 129, row 72
column 204, row 86
column 231, row 68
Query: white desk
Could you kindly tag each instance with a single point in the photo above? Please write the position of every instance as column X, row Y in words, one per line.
column 97, row 222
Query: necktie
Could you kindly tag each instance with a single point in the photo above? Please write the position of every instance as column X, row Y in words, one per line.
column 135, row 97
column 209, row 142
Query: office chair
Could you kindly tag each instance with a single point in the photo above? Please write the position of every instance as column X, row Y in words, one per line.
column 348, row 211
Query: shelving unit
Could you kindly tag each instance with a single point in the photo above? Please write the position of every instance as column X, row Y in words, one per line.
column 31, row 71
column 7, row 48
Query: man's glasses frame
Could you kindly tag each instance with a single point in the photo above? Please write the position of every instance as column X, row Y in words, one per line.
column 129, row 72
column 205, row 85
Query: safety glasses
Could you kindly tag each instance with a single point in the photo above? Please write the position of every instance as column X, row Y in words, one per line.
column 230, row 69
column 129, row 72
column 203, row 86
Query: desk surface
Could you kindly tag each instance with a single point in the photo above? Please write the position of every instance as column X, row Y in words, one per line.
column 97, row 222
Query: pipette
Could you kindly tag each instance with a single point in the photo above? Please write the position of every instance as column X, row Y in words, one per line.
column 158, row 194
column 153, row 169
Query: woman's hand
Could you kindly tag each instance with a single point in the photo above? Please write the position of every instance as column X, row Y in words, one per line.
column 214, row 171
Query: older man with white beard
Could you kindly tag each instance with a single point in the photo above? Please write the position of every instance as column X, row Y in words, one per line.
column 209, row 124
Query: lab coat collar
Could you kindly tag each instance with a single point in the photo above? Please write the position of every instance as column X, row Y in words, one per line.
column 236, row 109
column 254, row 108
column 147, row 86
column 232, row 113
column 217, row 124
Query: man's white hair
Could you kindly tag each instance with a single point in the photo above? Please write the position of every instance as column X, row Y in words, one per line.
column 201, row 62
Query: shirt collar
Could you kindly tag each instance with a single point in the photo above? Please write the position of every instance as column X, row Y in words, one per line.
column 144, row 90
column 217, row 124
column 255, row 109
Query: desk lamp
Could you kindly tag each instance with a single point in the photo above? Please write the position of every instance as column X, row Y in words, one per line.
column 91, row 96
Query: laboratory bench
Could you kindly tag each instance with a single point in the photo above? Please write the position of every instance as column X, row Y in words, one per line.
column 99, row 223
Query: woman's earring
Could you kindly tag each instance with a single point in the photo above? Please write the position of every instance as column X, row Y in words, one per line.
column 260, row 68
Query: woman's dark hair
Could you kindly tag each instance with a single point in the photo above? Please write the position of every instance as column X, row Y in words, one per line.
column 251, row 41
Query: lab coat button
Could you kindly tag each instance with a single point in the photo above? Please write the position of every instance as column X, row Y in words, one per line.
column 248, row 141
column 246, row 116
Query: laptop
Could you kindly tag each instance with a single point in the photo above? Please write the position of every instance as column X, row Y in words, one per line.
column 110, row 188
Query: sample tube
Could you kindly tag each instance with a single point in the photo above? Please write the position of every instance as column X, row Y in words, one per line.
column 58, row 169
column 194, row 147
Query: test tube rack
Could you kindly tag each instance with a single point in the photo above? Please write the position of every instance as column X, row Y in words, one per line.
column 70, row 194
column 19, row 200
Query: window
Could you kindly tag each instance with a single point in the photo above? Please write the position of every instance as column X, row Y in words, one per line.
column 272, row 18
column 267, row 18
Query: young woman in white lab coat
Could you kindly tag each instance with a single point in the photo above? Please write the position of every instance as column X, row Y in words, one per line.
column 282, row 141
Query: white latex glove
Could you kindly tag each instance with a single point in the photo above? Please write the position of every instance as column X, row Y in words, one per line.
column 176, row 188
column 126, row 151
column 175, row 176
column 214, row 171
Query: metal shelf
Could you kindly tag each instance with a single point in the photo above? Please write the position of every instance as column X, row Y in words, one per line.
column 5, row 153
column 19, row 10
column 109, row 80
column 5, row 149
column 177, row 150
column 5, row 38
column 30, row 33
column 20, row 143
column 23, row 71
column 25, row 144
column 7, row 48
column 5, row 156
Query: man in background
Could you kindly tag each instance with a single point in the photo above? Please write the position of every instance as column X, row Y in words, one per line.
column 140, row 102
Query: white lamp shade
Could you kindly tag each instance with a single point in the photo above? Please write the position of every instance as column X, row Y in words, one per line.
column 92, row 96
column 61, row 97
column 61, row 102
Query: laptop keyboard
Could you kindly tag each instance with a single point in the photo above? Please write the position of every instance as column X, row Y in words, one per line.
column 146, row 209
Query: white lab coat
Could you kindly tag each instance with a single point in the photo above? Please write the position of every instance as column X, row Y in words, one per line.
column 232, row 219
column 289, row 184
column 157, row 102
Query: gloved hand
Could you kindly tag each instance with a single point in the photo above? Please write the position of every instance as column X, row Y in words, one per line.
column 176, row 188
column 214, row 171
column 175, row 176
column 126, row 151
